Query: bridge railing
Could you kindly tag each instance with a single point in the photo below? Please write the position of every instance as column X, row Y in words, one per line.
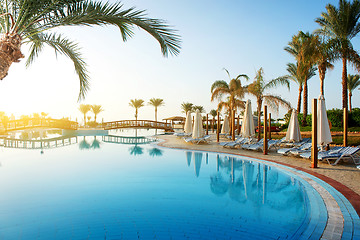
column 136, row 124
column 37, row 122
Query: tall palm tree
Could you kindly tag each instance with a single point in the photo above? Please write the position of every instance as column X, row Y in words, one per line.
column 84, row 109
column 233, row 89
column 33, row 22
column 96, row 109
column 324, row 56
column 136, row 103
column 302, row 47
column 340, row 25
column 259, row 87
column 156, row 102
column 353, row 81
column 297, row 76
column 187, row 107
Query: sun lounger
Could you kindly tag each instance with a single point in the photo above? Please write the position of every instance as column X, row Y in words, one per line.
column 297, row 151
column 253, row 146
column 183, row 134
column 203, row 139
column 295, row 144
column 300, row 149
column 352, row 153
column 321, row 154
column 235, row 143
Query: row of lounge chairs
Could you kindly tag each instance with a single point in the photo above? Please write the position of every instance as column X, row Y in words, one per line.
column 299, row 149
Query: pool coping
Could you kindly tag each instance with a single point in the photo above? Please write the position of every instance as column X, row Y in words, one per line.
column 350, row 195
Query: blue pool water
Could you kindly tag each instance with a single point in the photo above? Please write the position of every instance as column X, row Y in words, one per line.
column 93, row 189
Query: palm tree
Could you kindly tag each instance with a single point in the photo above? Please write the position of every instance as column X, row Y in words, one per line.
column 84, row 109
column 234, row 90
column 340, row 25
column 198, row 107
column 302, row 47
column 136, row 103
column 297, row 76
column 44, row 114
column 213, row 113
column 187, row 107
column 353, row 81
column 96, row 109
column 323, row 55
column 156, row 102
column 258, row 88
column 33, row 23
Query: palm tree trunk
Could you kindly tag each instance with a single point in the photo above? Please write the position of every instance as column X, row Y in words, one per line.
column 10, row 45
column 350, row 95
column 95, row 118
column 84, row 119
column 155, row 114
column 259, row 103
column 305, row 107
column 322, row 78
column 299, row 100
column 344, row 84
column 136, row 114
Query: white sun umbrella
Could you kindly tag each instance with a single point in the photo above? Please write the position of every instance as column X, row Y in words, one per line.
column 323, row 131
column 247, row 128
column 198, row 130
column 226, row 126
column 293, row 133
column 188, row 123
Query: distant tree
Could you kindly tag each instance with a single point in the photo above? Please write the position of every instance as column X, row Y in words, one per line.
column 96, row 109
column 213, row 113
column 136, row 103
column 156, row 102
column 84, row 109
column 44, row 115
column 353, row 81
column 187, row 107
column 198, row 107
column 36, row 115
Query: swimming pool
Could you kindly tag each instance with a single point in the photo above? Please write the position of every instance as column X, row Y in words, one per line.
column 92, row 189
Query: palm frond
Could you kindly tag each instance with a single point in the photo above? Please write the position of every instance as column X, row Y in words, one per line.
column 283, row 81
column 274, row 101
column 66, row 47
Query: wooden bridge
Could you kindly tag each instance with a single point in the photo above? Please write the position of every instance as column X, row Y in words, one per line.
column 37, row 144
column 137, row 124
column 26, row 123
column 126, row 140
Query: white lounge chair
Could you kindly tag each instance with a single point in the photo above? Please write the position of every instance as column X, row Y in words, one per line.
column 352, row 153
column 203, row 139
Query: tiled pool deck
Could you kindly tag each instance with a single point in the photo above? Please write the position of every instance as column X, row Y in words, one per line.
column 340, row 219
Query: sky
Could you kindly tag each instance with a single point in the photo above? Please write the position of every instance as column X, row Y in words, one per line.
column 238, row 35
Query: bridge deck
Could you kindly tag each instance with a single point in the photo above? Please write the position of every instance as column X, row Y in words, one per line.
column 137, row 124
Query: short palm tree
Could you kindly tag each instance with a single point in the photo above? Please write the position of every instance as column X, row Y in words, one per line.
column 32, row 22
column 156, row 102
column 200, row 108
column 297, row 76
column 213, row 113
column 136, row 103
column 84, row 109
column 340, row 25
column 96, row 109
column 353, row 81
column 187, row 107
column 234, row 90
column 258, row 89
